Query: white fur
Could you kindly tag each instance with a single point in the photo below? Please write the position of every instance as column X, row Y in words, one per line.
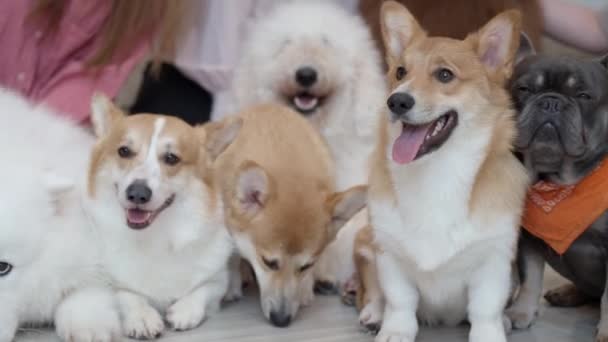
column 439, row 262
column 177, row 265
column 340, row 47
column 43, row 232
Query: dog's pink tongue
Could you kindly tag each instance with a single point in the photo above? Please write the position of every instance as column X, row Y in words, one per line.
column 408, row 144
column 138, row 215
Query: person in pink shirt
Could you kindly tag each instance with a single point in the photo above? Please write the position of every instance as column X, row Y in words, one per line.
column 59, row 52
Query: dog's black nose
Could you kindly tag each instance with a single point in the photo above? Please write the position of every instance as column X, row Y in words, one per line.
column 550, row 104
column 280, row 319
column 139, row 192
column 400, row 103
column 306, row 76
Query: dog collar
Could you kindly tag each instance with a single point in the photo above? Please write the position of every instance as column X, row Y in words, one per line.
column 558, row 215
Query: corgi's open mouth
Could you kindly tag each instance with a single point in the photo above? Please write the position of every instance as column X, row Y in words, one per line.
column 139, row 219
column 417, row 140
column 306, row 103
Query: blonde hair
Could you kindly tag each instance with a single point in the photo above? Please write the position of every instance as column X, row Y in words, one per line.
column 128, row 21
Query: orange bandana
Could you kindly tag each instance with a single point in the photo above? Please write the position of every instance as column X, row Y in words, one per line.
column 558, row 215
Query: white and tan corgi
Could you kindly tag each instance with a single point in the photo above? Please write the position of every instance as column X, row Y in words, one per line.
column 446, row 192
column 159, row 218
column 281, row 205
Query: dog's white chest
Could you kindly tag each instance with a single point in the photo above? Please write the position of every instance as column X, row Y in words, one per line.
column 426, row 244
column 162, row 274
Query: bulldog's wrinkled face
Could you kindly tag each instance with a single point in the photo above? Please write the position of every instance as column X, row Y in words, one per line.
column 562, row 105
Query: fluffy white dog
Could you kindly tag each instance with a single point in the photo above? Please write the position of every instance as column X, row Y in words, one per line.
column 49, row 270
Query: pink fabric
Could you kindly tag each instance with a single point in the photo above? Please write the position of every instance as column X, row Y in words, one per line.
column 50, row 68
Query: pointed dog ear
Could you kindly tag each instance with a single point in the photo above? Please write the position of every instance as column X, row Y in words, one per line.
column 526, row 48
column 399, row 27
column 219, row 135
column 342, row 206
column 104, row 114
column 498, row 42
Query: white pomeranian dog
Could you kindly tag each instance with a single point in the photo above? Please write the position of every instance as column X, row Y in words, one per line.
column 49, row 265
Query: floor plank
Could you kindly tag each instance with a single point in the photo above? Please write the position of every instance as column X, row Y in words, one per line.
column 327, row 320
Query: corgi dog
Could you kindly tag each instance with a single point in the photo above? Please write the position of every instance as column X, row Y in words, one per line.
column 281, row 206
column 50, row 269
column 446, row 192
column 152, row 200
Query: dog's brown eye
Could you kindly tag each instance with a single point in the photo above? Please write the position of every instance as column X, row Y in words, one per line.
column 125, row 152
column 5, row 268
column 444, row 75
column 306, row 267
column 171, row 159
column 400, row 73
column 272, row 264
column 584, row 96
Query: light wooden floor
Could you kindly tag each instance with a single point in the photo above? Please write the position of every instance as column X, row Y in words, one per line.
column 327, row 320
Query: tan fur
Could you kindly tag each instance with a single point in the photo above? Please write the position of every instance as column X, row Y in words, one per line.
column 301, row 178
column 496, row 187
column 365, row 250
column 297, row 216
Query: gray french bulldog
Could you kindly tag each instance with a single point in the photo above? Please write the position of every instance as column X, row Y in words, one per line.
column 562, row 122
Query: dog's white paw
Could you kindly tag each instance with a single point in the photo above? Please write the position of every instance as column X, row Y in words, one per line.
column 142, row 322
column 371, row 317
column 491, row 331
column 88, row 316
column 89, row 333
column 390, row 336
column 520, row 316
column 185, row 315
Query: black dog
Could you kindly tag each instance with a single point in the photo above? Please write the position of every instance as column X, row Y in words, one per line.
column 562, row 122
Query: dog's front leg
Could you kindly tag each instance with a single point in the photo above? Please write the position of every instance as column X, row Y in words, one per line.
column 488, row 293
column 190, row 311
column 88, row 315
column 602, row 328
column 400, row 322
column 140, row 320
column 370, row 300
column 531, row 264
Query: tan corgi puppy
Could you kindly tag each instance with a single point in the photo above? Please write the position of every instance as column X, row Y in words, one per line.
column 446, row 192
column 159, row 219
column 281, row 207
